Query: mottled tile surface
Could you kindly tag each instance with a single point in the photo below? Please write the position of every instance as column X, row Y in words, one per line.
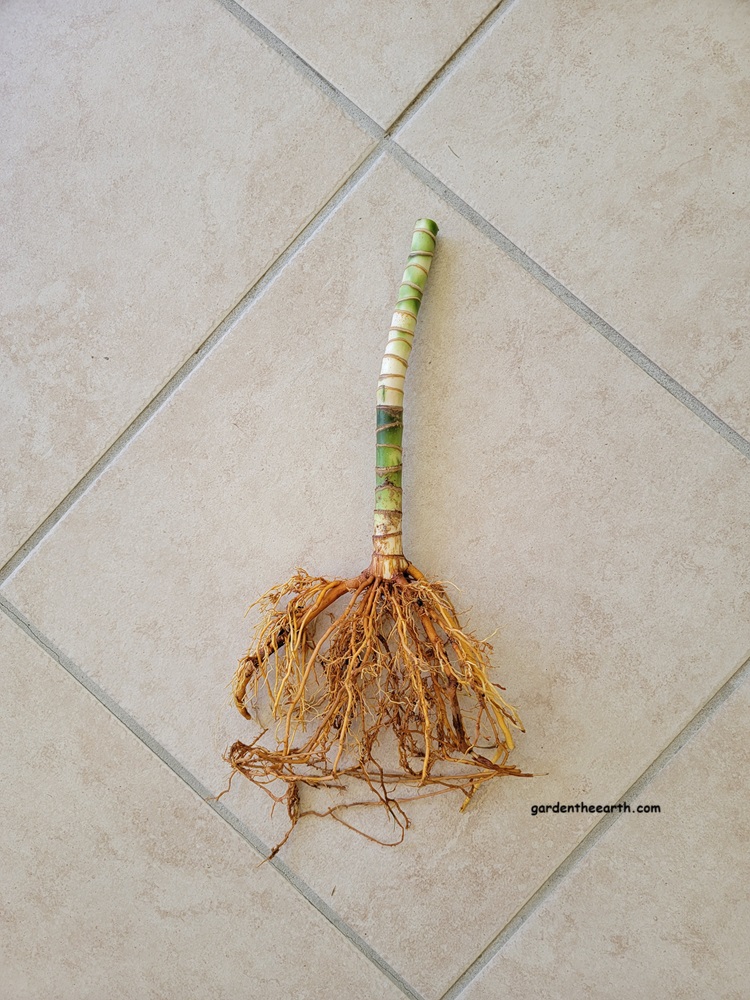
column 379, row 55
column 610, row 143
column 117, row 881
column 659, row 907
column 156, row 159
column 598, row 523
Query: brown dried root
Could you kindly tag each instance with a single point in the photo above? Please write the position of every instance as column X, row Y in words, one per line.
column 394, row 661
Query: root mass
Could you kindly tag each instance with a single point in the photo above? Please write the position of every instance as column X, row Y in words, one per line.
column 390, row 693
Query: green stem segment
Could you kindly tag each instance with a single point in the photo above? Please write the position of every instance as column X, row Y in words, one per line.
column 388, row 558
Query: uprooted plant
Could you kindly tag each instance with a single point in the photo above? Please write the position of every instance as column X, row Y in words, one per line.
column 393, row 692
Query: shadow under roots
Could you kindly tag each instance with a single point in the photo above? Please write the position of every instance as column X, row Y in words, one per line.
column 389, row 695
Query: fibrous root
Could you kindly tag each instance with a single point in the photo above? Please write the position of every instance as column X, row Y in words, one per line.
column 392, row 692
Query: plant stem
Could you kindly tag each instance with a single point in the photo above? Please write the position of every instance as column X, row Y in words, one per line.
column 388, row 559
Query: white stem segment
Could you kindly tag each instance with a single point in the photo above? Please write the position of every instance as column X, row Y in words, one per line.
column 388, row 557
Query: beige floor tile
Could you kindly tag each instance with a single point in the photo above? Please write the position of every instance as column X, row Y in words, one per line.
column 379, row 55
column 659, row 907
column 582, row 510
column 157, row 158
column 609, row 143
column 117, row 881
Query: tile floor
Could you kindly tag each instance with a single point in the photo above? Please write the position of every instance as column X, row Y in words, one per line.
column 206, row 210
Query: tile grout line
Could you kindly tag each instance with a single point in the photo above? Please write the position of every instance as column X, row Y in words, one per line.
column 252, row 24
column 565, row 869
column 186, row 369
column 371, row 128
column 459, row 55
column 334, row 94
column 384, row 144
column 174, row 765
column 704, row 715
column 387, row 141
column 345, row 104
column 578, row 306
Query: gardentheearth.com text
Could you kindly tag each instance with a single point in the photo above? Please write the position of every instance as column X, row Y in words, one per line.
column 583, row 807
